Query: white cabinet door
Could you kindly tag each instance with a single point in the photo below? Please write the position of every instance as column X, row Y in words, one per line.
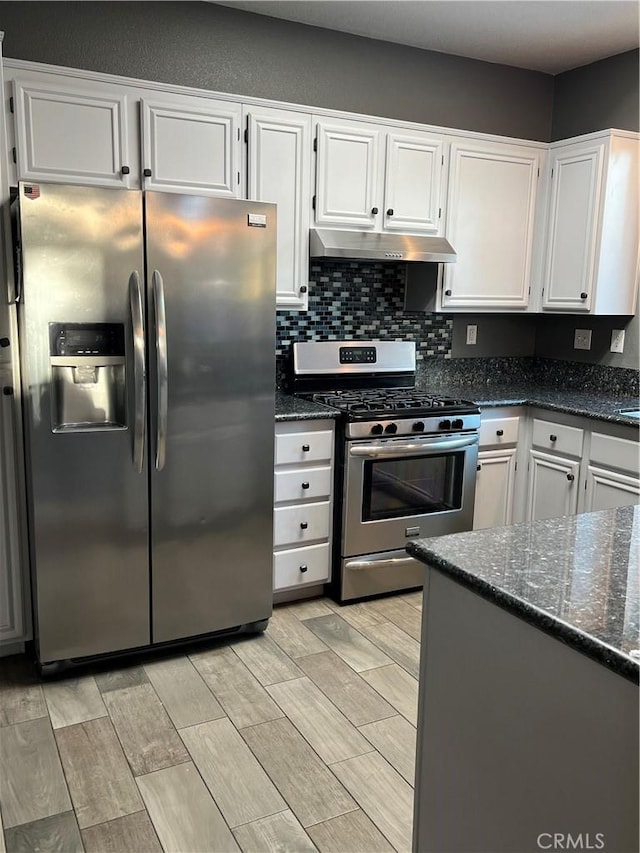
column 413, row 183
column 553, row 486
column 609, row 489
column 72, row 133
column 348, row 189
column 191, row 145
column 279, row 171
column 494, row 488
column 490, row 221
column 576, row 182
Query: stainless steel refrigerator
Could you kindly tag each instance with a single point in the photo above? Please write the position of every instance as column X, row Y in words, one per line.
column 147, row 335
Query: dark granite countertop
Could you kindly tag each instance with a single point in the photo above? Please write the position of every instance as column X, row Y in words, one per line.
column 575, row 577
column 290, row 408
column 587, row 404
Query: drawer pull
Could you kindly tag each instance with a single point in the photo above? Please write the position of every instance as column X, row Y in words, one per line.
column 553, row 438
column 306, row 448
column 570, row 477
column 305, row 485
column 304, row 568
column 303, row 525
column 499, row 432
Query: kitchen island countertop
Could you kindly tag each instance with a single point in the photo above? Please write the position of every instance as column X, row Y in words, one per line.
column 575, row 577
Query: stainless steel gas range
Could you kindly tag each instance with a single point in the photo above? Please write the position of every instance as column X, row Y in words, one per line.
column 406, row 459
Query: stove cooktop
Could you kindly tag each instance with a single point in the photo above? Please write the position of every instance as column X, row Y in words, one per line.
column 400, row 402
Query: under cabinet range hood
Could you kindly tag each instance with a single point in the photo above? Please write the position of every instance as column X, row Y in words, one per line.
column 374, row 246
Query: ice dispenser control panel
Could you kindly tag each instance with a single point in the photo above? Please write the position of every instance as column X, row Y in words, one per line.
column 87, row 376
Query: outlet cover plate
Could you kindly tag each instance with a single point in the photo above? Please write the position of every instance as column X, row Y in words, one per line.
column 582, row 339
column 617, row 340
column 472, row 335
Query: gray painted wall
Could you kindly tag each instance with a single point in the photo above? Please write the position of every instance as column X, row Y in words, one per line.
column 498, row 334
column 554, row 339
column 228, row 50
column 596, row 96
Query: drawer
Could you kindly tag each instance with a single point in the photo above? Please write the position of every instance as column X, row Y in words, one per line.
column 557, row 437
column 295, row 525
column 615, row 452
column 498, row 431
column 301, row 447
column 299, row 566
column 301, row 484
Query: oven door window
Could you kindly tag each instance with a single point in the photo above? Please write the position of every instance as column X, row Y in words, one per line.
column 394, row 488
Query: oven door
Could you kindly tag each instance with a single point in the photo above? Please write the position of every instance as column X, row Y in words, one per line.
column 401, row 488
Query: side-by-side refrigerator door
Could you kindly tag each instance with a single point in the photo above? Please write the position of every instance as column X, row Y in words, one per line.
column 83, row 358
column 211, row 283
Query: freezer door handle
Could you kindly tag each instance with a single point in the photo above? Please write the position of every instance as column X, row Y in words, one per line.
column 161, row 369
column 139, row 370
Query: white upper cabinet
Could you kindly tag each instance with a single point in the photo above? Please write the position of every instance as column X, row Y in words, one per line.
column 413, row 191
column 191, row 145
column 279, row 171
column 490, row 223
column 378, row 177
column 347, row 175
column 592, row 242
column 71, row 132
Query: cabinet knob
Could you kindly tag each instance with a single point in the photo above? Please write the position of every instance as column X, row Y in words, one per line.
column 478, row 467
column 304, row 568
column 147, row 173
column 305, row 485
column 303, row 525
column 374, row 210
column 7, row 391
column 570, row 477
column 553, row 437
column 499, row 432
column 5, row 342
column 447, row 293
column 583, row 295
column 390, row 212
column 303, row 289
column 125, row 170
column 305, row 448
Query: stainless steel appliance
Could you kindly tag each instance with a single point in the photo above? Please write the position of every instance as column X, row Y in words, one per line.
column 407, row 460
column 147, row 335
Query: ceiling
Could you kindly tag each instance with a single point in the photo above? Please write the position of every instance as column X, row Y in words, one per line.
column 542, row 35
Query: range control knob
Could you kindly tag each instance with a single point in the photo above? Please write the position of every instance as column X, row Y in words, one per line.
column 377, row 429
column 391, row 428
column 444, row 425
column 418, row 426
column 457, row 424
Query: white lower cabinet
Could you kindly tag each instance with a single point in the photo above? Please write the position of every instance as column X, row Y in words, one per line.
column 303, row 489
column 553, row 486
column 496, row 471
column 613, row 474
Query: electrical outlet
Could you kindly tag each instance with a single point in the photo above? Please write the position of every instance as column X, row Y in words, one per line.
column 582, row 339
column 617, row 340
column 472, row 335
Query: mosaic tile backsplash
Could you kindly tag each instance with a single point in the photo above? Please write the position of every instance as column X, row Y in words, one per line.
column 359, row 301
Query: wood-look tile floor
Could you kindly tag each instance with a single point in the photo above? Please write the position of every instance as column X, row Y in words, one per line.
column 299, row 739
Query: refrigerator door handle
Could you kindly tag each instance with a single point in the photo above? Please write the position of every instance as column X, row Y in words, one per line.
column 162, row 369
column 139, row 370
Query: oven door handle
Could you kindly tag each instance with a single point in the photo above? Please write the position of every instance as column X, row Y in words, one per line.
column 386, row 563
column 415, row 448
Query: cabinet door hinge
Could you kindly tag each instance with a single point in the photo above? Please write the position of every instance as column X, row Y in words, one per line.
column 246, row 134
column 439, row 213
column 238, row 178
column 529, row 290
column 13, row 154
column 313, row 202
column 442, row 164
column 238, row 134
column 11, row 104
column 515, row 467
column 552, row 173
column 315, row 144
column 538, row 172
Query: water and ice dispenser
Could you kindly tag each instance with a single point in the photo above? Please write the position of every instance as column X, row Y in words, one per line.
column 87, row 376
